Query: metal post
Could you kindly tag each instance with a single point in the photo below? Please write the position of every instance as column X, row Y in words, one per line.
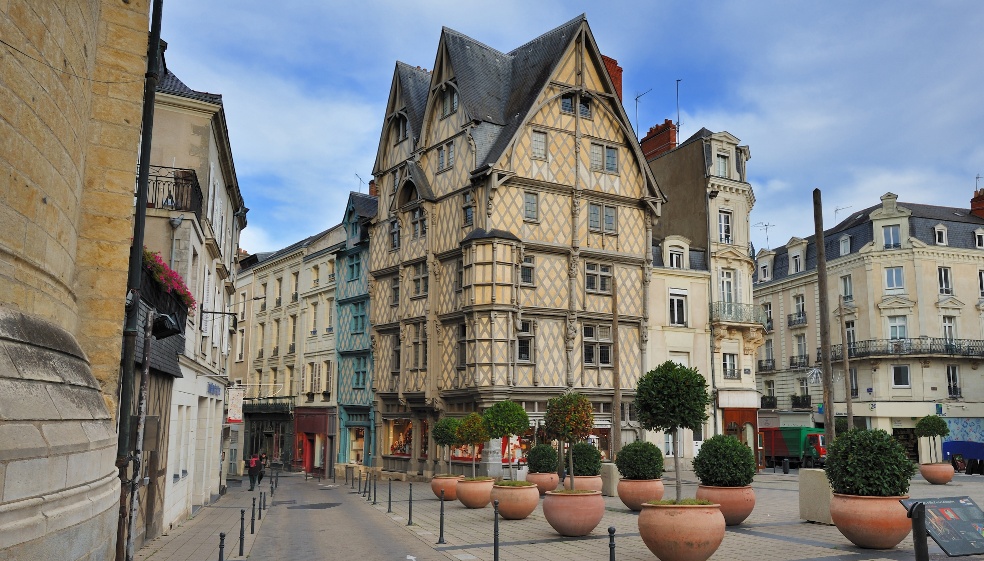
column 365, row 489
column 271, row 486
column 410, row 508
column 242, row 530
column 276, row 475
column 440, row 538
column 360, row 482
column 495, row 531
column 333, row 472
column 375, row 481
column 611, row 543
column 252, row 519
column 261, row 505
column 389, row 498
column 368, row 489
column 917, row 512
column 221, row 546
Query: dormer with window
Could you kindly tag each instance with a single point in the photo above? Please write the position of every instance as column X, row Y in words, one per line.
column 401, row 127
column 765, row 263
column 939, row 234
column 845, row 245
column 796, row 252
column 890, row 223
column 676, row 252
column 979, row 238
column 449, row 100
column 722, row 164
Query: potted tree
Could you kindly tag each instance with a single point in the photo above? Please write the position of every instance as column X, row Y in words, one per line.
column 505, row 419
column 474, row 492
column 571, row 512
column 939, row 472
column 517, row 499
column 641, row 466
column 669, row 398
column 542, row 463
column 725, row 468
column 869, row 474
column 445, row 433
column 586, row 466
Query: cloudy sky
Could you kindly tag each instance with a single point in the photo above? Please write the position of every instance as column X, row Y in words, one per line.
column 854, row 98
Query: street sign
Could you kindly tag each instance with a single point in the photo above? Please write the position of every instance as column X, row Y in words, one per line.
column 955, row 523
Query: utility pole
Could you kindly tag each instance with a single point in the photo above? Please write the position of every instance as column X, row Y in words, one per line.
column 828, row 381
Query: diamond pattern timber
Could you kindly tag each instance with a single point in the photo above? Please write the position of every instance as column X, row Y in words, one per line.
column 347, row 393
column 551, row 283
column 551, row 357
column 629, row 284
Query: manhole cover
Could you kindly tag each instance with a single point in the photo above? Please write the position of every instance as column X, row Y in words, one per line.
column 316, row 506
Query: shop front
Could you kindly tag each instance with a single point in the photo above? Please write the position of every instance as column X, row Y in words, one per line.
column 405, row 445
column 314, row 429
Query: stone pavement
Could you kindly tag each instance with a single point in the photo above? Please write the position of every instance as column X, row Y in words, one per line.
column 773, row 531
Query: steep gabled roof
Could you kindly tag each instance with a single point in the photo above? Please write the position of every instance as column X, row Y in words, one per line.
column 483, row 75
column 365, row 206
column 414, row 82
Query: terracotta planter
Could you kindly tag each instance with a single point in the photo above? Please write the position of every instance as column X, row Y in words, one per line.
column 937, row 474
column 447, row 482
column 475, row 494
column 870, row 522
column 634, row 492
column 516, row 503
column 544, row 481
column 681, row 532
column 589, row 482
column 575, row 514
column 736, row 502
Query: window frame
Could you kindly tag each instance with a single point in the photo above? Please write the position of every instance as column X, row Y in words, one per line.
column 418, row 223
column 898, row 369
column 598, row 344
column 420, row 276
column 467, row 208
column 525, row 338
column 360, row 368
column 359, row 317
column 939, row 235
column 944, row 277
column 538, row 145
column 898, row 327
column 461, row 360
column 892, row 236
column 675, row 254
column 395, row 290
column 449, row 101
column 949, row 324
column 893, row 274
column 354, row 267
column 596, row 270
column 678, row 310
column 726, row 227
column 394, row 232
column 598, row 214
column 528, row 265
column 847, row 287
column 845, row 245
column 723, row 165
column 531, row 201
column 603, row 157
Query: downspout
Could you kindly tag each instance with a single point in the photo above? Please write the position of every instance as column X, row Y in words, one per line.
column 710, row 294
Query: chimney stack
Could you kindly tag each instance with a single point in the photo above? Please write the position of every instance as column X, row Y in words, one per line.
column 977, row 203
column 660, row 140
column 373, row 191
column 615, row 72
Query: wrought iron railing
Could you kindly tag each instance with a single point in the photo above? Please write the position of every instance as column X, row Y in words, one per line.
column 918, row 346
column 174, row 189
column 767, row 365
column 799, row 361
column 277, row 305
column 953, row 391
column 275, row 352
column 768, row 325
column 739, row 313
column 732, row 374
column 799, row 318
column 770, row 402
column 291, row 347
column 893, row 245
column 800, row 401
column 331, row 277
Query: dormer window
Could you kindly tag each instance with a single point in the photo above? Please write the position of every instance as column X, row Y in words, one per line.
column 797, row 264
column 724, row 226
column 400, row 128
column 764, row 272
column 449, row 101
column 845, row 245
column 979, row 238
column 676, row 257
column 723, row 165
column 893, row 236
column 939, row 233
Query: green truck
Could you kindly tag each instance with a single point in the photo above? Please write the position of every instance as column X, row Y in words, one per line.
column 803, row 446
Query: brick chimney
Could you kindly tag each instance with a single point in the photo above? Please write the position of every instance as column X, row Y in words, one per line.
column 977, row 204
column 660, row 140
column 615, row 71
column 373, row 190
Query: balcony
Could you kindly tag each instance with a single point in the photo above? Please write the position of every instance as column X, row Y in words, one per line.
column 175, row 189
column 922, row 346
column 331, row 277
column 953, row 391
column 795, row 320
column 737, row 313
column 275, row 351
column 731, row 374
column 770, row 402
column 800, row 401
column 293, row 296
column 799, row 361
column 278, row 301
column 329, row 330
column 767, row 365
column 290, row 348
column 268, row 405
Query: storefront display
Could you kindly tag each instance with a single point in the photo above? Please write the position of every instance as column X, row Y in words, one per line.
column 401, row 438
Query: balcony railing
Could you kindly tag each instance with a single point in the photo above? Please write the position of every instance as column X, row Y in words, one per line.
column 331, row 277
column 277, row 305
column 268, row 405
column 293, row 297
column 770, row 402
column 732, row 374
column 329, row 330
column 263, row 306
column 275, row 352
column 953, row 391
column 922, row 346
column 768, row 325
column 738, row 313
column 767, row 365
column 290, row 348
column 174, row 189
column 799, row 361
column 854, row 392
column 799, row 318
column 800, row 402
column 893, row 245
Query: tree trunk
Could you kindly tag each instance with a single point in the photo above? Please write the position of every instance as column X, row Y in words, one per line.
column 474, row 451
column 571, row 464
column 676, row 465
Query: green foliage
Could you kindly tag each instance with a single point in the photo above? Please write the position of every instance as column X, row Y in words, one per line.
column 479, row 478
column 840, row 425
column 445, row 431
column 587, row 459
column 671, row 397
column 506, row 418
column 472, row 430
column 542, row 458
column 683, row 502
column 640, row 460
column 514, row 483
column 723, row 461
column 569, row 417
column 932, row 426
column 573, row 492
column 869, row 463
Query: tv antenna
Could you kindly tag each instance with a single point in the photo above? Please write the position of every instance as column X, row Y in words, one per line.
column 361, row 182
column 977, row 182
column 838, row 209
column 765, row 226
column 639, row 134
column 678, row 106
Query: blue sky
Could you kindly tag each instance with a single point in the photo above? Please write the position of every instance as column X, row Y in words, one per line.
column 854, row 98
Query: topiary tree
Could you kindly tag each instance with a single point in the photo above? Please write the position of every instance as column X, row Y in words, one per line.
column 570, row 418
column 868, row 463
column 640, row 460
column 445, row 433
column 505, row 419
column 472, row 431
column 724, row 461
column 669, row 398
column 932, row 426
column 542, row 458
column 586, row 459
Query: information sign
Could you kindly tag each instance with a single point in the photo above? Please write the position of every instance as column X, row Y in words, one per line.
column 955, row 523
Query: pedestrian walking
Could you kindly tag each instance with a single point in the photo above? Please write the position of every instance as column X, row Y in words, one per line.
column 263, row 465
column 253, row 468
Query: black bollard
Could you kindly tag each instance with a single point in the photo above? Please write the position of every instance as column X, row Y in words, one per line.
column 333, row 472
column 495, row 531
column 252, row 519
column 410, row 509
column 271, row 486
column 353, row 477
column 440, row 539
column 917, row 512
column 611, row 543
column 368, row 489
column 260, row 517
column 276, row 478
column 221, row 546
column 242, row 530
column 389, row 499
column 375, row 482
column 365, row 490
column 785, row 465
column 360, row 482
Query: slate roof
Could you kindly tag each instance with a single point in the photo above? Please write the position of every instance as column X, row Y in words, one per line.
column 481, row 234
column 415, row 82
column 365, row 205
column 169, row 83
column 262, row 257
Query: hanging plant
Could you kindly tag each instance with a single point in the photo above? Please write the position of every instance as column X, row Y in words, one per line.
column 167, row 278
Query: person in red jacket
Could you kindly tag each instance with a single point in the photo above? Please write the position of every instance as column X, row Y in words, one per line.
column 253, row 468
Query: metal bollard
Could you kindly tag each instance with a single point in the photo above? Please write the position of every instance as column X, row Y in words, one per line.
column 260, row 517
column 410, row 509
column 276, row 478
column 353, row 477
column 375, row 481
column 242, row 530
column 389, row 500
column 785, row 465
column 440, row 539
column 271, row 486
column 252, row 519
column 221, row 546
column 333, row 472
column 917, row 512
column 368, row 490
column 495, row 531
column 360, row 482
column 611, row 543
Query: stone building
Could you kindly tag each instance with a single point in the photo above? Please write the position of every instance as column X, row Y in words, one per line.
column 701, row 294
column 906, row 281
column 511, row 251
column 70, row 121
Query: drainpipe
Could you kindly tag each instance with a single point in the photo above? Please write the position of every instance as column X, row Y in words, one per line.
column 175, row 223
column 710, row 293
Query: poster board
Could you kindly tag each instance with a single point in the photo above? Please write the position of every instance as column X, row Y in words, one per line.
column 955, row 523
